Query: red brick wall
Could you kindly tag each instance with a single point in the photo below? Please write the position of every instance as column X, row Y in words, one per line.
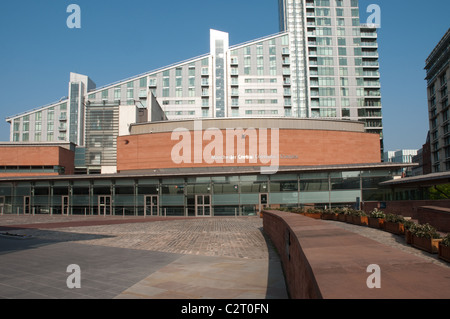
column 36, row 156
column 300, row 280
column 311, row 147
column 438, row 217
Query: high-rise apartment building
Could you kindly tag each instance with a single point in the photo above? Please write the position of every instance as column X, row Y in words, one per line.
column 322, row 64
column 438, row 75
column 334, row 61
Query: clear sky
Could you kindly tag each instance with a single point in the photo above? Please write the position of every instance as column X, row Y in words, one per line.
column 120, row 39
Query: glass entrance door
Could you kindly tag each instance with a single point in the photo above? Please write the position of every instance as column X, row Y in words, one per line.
column 263, row 201
column 27, row 205
column 151, row 205
column 2, row 205
column 104, row 205
column 65, row 205
column 203, row 205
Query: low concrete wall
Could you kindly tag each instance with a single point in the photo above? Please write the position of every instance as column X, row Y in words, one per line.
column 323, row 261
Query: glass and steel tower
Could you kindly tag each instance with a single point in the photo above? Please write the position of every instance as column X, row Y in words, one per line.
column 334, row 61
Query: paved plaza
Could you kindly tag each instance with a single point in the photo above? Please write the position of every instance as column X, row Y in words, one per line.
column 216, row 258
column 150, row 258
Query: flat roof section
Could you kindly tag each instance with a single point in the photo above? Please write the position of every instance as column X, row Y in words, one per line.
column 257, row 123
column 423, row 180
column 216, row 171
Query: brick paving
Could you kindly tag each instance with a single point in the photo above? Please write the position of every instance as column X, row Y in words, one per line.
column 194, row 258
column 230, row 237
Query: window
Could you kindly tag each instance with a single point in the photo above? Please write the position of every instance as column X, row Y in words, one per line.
column 130, row 94
column 51, row 114
column 117, row 94
column 443, row 79
column 342, row 51
column 143, row 82
column 16, row 126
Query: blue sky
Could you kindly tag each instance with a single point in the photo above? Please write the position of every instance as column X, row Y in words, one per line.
column 120, row 39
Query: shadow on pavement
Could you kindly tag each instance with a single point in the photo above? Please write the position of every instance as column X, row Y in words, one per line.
column 276, row 281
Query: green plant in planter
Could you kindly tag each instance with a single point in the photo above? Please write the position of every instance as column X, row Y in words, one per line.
column 425, row 231
column 409, row 224
column 394, row 218
column 446, row 241
column 377, row 214
column 359, row 213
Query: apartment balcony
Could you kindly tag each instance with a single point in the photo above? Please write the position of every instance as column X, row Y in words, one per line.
column 370, row 64
column 370, row 74
column 143, row 95
column 369, row 35
column 369, row 44
column 372, row 93
column 370, row 53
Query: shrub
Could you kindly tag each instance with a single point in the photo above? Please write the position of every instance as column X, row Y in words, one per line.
column 446, row 241
column 377, row 214
column 409, row 224
column 394, row 218
column 359, row 213
column 425, row 231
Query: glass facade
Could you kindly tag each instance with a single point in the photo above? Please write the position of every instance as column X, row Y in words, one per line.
column 203, row 196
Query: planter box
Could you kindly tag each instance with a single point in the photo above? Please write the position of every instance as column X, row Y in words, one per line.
column 361, row 220
column 329, row 216
column 349, row 219
column 341, row 217
column 376, row 222
column 394, row 228
column 444, row 252
column 426, row 244
column 408, row 237
column 313, row 215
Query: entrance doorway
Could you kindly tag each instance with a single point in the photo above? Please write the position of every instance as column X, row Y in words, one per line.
column 27, row 205
column 263, row 201
column 151, row 207
column 203, row 205
column 104, row 205
column 2, row 205
column 65, row 205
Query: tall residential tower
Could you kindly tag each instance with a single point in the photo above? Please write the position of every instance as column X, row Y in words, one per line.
column 438, row 75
